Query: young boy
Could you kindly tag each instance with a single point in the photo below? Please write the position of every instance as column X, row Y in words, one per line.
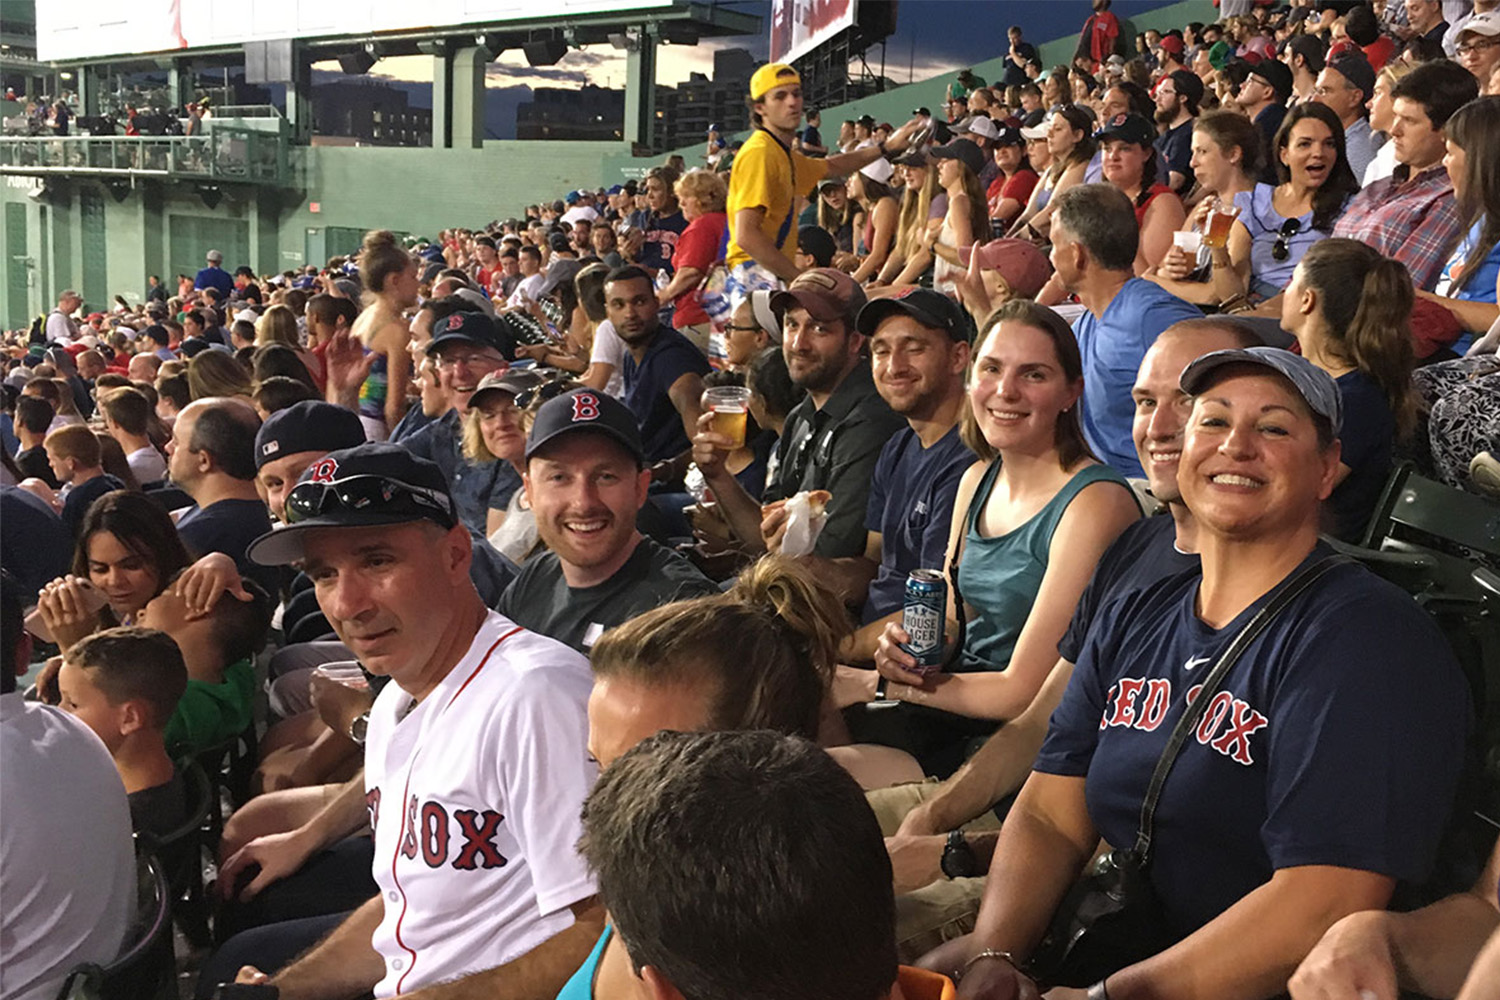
column 77, row 463
column 124, row 684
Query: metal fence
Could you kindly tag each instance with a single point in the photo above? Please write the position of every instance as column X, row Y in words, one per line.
column 241, row 155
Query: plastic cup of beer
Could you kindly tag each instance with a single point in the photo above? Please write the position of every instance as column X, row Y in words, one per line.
column 730, row 405
column 1187, row 241
column 1220, row 219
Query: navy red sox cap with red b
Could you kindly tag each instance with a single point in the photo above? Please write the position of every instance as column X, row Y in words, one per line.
column 585, row 410
column 371, row 485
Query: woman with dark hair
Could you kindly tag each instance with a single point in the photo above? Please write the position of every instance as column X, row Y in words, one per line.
column 759, row 656
column 1276, row 225
column 836, row 214
column 967, row 221
column 1130, row 165
column 389, row 276
column 128, row 548
column 869, row 189
column 278, row 359
column 1350, row 309
column 1030, row 520
column 1014, row 181
column 1071, row 145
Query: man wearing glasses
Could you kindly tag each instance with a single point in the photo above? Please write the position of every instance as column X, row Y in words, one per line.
column 474, row 763
column 1344, row 87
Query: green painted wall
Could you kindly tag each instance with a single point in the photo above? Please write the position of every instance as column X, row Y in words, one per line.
column 159, row 228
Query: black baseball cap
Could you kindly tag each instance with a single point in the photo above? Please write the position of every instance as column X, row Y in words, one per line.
column 817, row 243
column 311, row 425
column 1277, row 75
column 1355, row 68
column 472, row 328
column 930, row 308
column 1129, row 127
column 512, row 381
column 1009, row 135
column 585, row 410
column 366, row 486
column 965, row 151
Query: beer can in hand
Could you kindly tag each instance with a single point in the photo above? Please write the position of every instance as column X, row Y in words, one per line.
column 923, row 616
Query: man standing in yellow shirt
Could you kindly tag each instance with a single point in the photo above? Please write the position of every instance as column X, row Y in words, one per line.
column 768, row 178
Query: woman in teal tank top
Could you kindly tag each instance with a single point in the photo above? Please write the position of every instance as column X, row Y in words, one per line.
column 1030, row 521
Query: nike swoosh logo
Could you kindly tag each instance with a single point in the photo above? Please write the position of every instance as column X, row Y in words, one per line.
column 1194, row 661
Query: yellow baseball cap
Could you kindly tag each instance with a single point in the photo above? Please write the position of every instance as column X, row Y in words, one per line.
column 769, row 77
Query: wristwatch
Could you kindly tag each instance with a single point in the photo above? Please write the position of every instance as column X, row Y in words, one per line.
column 958, row 857
column 359, row 727
column 1098, row 992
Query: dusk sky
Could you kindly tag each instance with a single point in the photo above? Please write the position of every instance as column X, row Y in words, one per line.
column 932, row 36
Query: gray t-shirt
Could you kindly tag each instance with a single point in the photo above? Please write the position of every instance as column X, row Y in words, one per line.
column 541, row 600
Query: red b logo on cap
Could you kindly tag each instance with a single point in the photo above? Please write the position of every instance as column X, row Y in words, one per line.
column 585, row 406
column 324, row 471
column 456, row 321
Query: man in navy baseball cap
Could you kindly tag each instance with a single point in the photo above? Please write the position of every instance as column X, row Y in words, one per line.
column 293, row 439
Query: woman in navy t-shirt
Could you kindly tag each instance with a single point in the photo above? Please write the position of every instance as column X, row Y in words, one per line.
column 1349, row 309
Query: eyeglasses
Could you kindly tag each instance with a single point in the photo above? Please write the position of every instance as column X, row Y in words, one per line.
column 742, row 329
column 1326, row 91
column 545, row 391
column 1478, row 45
column 446, row 360
column 1280, row 250
column 367, row 493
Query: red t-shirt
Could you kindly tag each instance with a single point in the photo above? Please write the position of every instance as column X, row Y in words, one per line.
column 487, row 277
column 698, row 248
column 1379, row 52
column 1018, row 187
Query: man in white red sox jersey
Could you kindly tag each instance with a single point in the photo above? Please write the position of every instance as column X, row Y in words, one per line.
column 476, row 765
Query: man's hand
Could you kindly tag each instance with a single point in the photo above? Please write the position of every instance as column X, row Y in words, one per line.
column 996, row 979
column 773, row 522
column 915, row 861
column 894, row 662
column 202, row 584
column 347, row 364
column 710, row 450
column 1351, row 962
column 536, row 352
column 249, row 975
column 900, row 140
column 852, row 686
column 277, row 854
column 338, row 703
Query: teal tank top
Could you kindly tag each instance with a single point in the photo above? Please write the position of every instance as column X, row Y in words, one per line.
column 999, row 577
column 581, row 985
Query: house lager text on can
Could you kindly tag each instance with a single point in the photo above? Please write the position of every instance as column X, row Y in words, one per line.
column 922, row 618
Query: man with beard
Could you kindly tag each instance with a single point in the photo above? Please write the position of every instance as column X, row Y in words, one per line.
column 832, row 439
column 662, row 369
column 586, row 481
column 1177, row 97
column 919, row 351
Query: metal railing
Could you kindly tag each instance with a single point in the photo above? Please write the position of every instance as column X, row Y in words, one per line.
column 234, row 155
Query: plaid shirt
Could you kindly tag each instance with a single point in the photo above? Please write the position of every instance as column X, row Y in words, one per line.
column 1415, row 222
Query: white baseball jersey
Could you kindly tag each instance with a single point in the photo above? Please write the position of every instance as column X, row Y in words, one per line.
column 474, row 796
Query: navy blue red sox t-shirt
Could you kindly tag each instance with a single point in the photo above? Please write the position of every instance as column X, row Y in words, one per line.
column 1337, row 739
column 911, row 507
column 1145, row 553
column 229, row 526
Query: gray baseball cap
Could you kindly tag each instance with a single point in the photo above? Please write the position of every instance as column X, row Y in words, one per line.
column 1316, row 387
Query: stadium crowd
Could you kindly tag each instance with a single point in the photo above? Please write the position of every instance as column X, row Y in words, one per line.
column 555, row 575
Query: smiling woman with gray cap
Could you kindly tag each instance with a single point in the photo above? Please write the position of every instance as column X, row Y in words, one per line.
column 1266, row 832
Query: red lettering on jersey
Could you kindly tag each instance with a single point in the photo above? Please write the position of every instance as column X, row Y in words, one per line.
column 434, row 835
column 409, row 834
column 1217, row 710
column 1192, row 694
column 372, row 803
column 1235, row 743
column 479, row 830
column 585, row 406
column 1124, row 713
column 1154, row 710
column 1108, row 700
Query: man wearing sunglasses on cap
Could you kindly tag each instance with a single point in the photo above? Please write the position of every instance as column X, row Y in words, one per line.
column 474, row 763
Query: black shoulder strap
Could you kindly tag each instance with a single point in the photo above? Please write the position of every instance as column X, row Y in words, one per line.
column 1287, row 593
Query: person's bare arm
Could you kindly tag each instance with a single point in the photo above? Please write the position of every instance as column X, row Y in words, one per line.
column 1251, row 949
column 537, row 975
column 397, row 372
column 342, row 966
column 998, row 768
column 683, row 280
column 1426, row 951
column 885, row 236
column 686, row 394
column 281, row 854
column 1163, row 219
column 1484, row 979
column 597, row 375
column 753, row 240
